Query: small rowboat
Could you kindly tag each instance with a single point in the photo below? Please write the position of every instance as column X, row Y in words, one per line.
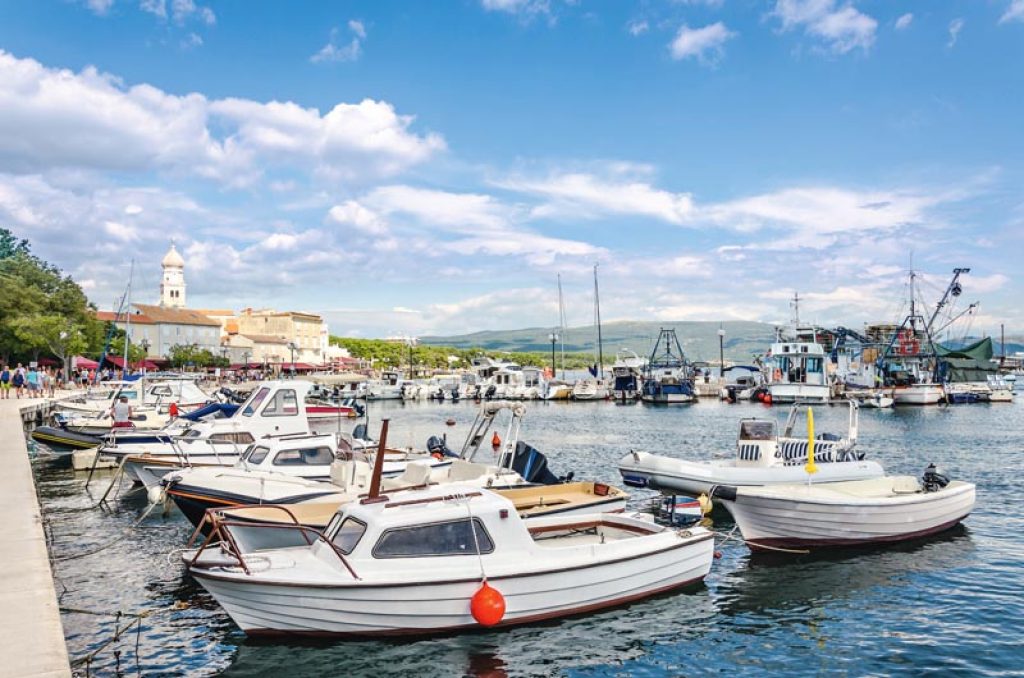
column 861, row 512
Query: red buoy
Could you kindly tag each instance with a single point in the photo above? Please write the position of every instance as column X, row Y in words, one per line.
column 767, row 399
column 495, row 440
column 173, row 410
column 487, row 605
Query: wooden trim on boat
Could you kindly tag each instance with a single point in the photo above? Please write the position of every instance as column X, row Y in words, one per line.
column 531, row 619
column 430, row 500
column 540, row 529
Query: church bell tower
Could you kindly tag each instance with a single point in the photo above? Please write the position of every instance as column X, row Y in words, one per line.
column 172, row 285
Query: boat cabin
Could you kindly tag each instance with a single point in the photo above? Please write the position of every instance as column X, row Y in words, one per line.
column 797, row 363
column 276, row 408
column 290, row 454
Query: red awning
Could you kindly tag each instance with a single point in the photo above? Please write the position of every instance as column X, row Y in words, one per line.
column 118, row 362
column 80, row 362
column 297, row 366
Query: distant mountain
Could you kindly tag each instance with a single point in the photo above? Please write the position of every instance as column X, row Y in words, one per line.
column 698, row 339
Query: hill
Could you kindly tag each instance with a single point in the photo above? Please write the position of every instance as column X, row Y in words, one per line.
column 699, row 339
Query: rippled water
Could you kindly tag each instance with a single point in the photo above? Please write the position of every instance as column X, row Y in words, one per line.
column 949, row 604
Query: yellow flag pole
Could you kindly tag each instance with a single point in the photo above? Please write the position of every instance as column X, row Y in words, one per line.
column 810, row 466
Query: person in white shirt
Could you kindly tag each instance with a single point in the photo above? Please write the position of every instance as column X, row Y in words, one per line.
column 122, row 413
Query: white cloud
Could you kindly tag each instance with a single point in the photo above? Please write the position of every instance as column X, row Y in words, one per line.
column 842, row 28
column 587, row 195
column 636, row 28
column 1015, row 12
column 522, row 7
column 705, row 44
column 333, row 52
column 904, row 21
column 190, row 41
column 59, row 119
column 184, row 10
column 358, row 216
column 99, row 7
column 122, row 232
column 464, row 212
column 955, row 26
column 156, row 7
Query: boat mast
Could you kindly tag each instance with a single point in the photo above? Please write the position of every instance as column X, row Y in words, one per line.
column 796, row 310
column 128, row 319
column 597, row 316
column 561, row 323
column 953, row 289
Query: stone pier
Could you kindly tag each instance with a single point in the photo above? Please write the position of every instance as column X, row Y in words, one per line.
column 31, row 634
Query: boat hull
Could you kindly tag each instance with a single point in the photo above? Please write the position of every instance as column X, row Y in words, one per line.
column 918, row 394
column 799, row 517
column 799, row 393
column 372, row 608
column 679, row 476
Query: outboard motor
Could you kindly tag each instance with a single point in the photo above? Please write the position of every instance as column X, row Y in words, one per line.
column 438, row 445
column 933, row 480
column 359, row 432
column 533, row 466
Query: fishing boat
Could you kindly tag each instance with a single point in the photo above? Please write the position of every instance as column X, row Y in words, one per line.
column 852, row 513
column 668, row 375
column 444, row 559
column 740, row 382
column 797, row 372
column 388, row 387
column 762, row 457
column 626, row 373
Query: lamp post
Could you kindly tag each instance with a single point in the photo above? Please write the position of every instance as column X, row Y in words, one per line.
column 145, row 350
column 411, row 341
column 721, row 353
column 292, row 347
column 553, row 338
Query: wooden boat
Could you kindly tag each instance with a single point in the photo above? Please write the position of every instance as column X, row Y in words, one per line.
column 888, row 509
column 445, row 559
column 763, row 457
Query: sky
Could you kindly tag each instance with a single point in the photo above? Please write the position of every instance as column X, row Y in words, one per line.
column 411, row 168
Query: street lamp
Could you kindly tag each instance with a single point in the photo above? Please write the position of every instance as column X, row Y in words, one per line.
column 292, row 347
column 411, row 341
column 145, row 351
column 721, row 352
column 553, row 337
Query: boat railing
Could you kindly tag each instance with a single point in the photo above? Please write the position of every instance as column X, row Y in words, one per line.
column 220, row 532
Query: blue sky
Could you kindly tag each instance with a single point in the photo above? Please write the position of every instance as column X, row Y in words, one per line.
column 430, row 167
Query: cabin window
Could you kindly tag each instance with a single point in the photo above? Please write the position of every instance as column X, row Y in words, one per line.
column 256, row 455
column 348, row 535
column 310, row 456
column 161, row 391
column 235, row 438
column 814, row 364
column 283, row 404
column 757, row 430
column 254, row 402
column 453, row 538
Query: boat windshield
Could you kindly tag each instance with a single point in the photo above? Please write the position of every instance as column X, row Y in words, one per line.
column 347, row 536
column 757, row 430
column 254, row 402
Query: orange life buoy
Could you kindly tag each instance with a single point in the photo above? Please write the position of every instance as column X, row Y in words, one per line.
column 495, row 440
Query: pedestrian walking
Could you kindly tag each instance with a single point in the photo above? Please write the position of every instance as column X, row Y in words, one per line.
column 18, row 380
column 5, row 382
column 32, row 380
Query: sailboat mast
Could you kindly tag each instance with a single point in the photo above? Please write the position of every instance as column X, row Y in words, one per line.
column 597, row 316
column 561, row 323
column 128, row 319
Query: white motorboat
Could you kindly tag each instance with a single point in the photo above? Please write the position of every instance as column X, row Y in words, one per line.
column 1000, row 389
column 388, row 387
column 590, row 388
column 275, row 409
column 873, row 398
column 626, row 371
column 557, row 390
column 443, row 559
column 762, row 458
column 887, row 509
column 797, row 372
column 142, row 392
column 740, row 382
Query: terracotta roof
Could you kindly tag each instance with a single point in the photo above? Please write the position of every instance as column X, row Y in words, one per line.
column 265, row 338
column 111, row 316
column 175, row 316
column 214, row 311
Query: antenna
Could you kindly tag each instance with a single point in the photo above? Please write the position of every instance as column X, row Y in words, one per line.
column 796, row 310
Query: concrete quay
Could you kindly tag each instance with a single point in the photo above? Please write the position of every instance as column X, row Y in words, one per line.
column 31, row 634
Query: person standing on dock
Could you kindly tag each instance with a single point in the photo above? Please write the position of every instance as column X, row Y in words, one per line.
column 18, row 380
column 5, row 382
column 32, row 379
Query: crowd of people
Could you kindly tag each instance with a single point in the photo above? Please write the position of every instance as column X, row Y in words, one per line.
column 39, row 382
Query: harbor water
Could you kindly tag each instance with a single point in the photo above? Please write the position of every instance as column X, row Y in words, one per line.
column 950, row 604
